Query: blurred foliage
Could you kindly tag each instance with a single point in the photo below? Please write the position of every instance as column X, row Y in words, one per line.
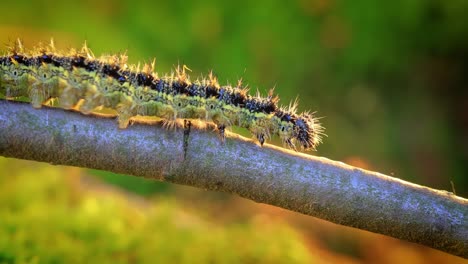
column 390, row 78
column 58, row 220
column 140, row 186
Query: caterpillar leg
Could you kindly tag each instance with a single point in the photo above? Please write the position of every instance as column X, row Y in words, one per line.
column 170, row 124
column 260, row 133
column 92, row 100
column 37, row 96
column 88, row 106
column 123, row 121
column 69, row 98
column 125, row 113
column 221, row 130
column 169, row 116
column 291, row 144
column 50, row 101
column 261, row 138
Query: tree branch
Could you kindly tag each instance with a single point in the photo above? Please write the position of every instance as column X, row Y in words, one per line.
column 310, row 185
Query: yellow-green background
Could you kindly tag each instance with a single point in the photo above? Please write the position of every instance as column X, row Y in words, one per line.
column 389, row 78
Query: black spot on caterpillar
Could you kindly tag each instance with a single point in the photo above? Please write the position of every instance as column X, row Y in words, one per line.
column 79, row 79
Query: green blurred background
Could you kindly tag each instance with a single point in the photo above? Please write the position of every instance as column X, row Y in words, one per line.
column 389, row 78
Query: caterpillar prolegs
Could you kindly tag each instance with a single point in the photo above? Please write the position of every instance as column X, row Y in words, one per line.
column 79, row 79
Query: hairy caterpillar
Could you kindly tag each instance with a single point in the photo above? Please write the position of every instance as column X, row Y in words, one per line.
column 78, row 79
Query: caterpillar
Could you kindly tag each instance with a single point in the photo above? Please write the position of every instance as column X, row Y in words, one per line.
column 78, row 79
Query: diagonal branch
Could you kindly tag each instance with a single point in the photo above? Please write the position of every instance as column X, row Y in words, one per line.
column 310, row 185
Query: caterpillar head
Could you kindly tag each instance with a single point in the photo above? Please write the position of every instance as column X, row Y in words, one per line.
column 303, row 129
column 308, row 131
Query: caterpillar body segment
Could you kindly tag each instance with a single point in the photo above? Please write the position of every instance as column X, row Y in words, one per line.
column 47, row 84
column 77, row 83
column 15, row 78
column 142, row 101
column 106, row 92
